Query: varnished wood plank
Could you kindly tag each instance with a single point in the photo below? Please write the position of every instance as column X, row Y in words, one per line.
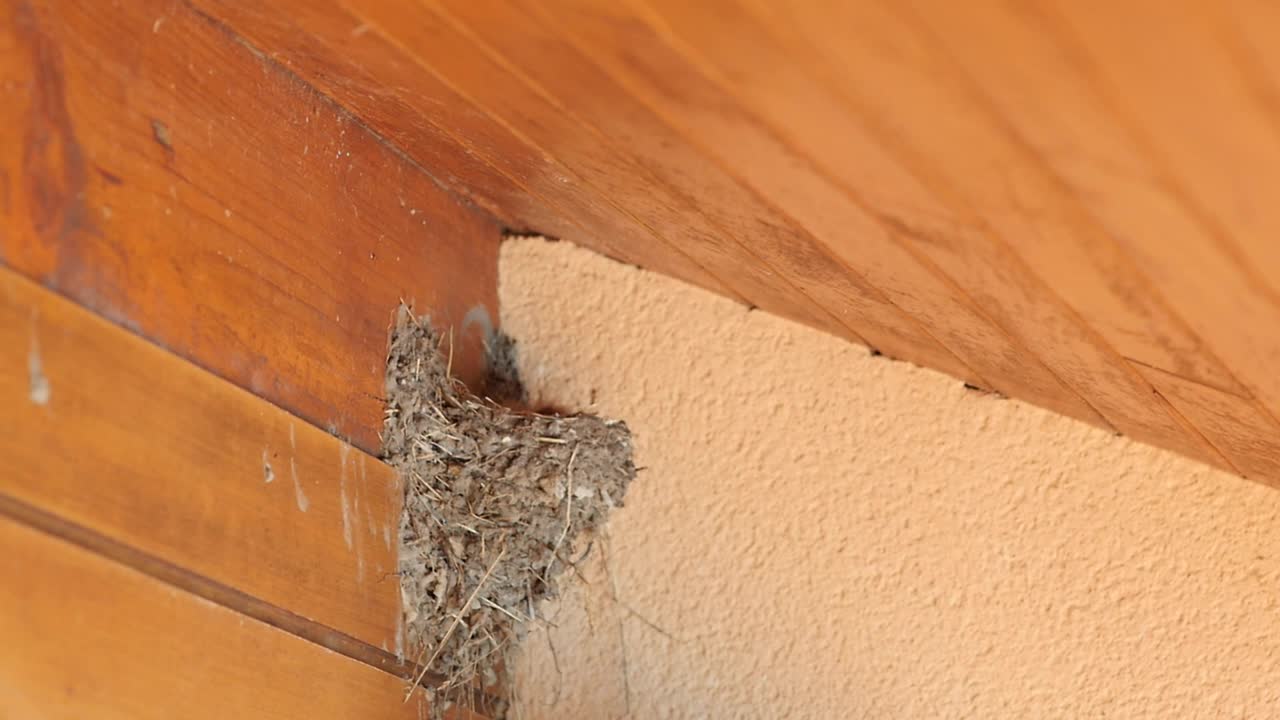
column 176, row 180
column 85, row 637
column 501, row 89
column 1202, row 90
column 107, row 431
column 496, row 87
column 706, row 105
column 1248, row 437
column 1043, row 230
column 1211, row 150
column 1159, row 289
column 435, row 47
column 539, row 50
column 1107, row 196
column 203, row 587
column 476, row 155
column 309, row 47
column 920, row 133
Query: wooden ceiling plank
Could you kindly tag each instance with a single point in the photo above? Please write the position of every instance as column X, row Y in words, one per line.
column 656, row 153
column 592, row 98
column 494, row 88
column 1066, row 228
column 1200, row 94
column 348, row 59
column 508, row 92
column 1106, row 190
column 669, row 76
column 300, row 53
column 112, row 433
column 86, row 637
column 1047, row 99
column 1247, row 435
column 1207, row 231
column 903, row 118
column 178, row 182
column 484, row 83
column 786, row 89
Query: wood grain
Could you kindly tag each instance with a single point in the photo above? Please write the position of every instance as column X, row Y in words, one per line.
column 85, row 637
column 1246, row 434
column 1003, row 203
column 734, row 209
column 514, row 138
column 695, row 97
column 109, row 432
column 479, row 156
column 179, row 182
column 1210, row 150
column 499, row 88
column 486, row 83
column 1017, row 193
column 1151, row 291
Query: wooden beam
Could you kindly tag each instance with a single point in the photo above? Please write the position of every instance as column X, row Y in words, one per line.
column 173, row 178
column 982, row 214
column 687, row 92
column 757, row 252
column 85, row 637
column 479, row 156
column 108, row 432
column 1145, row 268
column 1062, row 229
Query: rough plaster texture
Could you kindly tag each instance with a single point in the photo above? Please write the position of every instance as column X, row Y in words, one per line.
column 819, row 533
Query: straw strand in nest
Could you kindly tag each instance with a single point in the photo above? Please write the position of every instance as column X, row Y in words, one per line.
column 494, row 501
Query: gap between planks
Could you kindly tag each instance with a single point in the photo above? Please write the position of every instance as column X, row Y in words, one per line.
column 203, row 587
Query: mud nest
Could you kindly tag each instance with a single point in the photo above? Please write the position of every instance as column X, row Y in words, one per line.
column 495, row 503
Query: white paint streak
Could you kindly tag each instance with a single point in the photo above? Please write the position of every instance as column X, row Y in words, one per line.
column 386, row 536
column 40, row 390
column 370, row 523
column 343, row 451
column 399, row 638
column 267, row 473
column 359, row 539
column 299, row 495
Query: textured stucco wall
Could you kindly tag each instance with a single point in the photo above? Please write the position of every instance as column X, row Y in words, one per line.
column 819, row 533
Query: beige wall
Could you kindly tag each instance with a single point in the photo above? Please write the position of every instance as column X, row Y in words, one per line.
column 819, row 533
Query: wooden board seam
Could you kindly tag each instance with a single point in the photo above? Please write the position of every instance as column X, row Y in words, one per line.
column 1072, row 196
column 1225, row 391
column 1249, row 403
column 1213, row 226
column 946, row 190
column 222, row 595
column 203, row 587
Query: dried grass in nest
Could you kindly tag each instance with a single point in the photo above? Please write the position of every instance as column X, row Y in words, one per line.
column 494, row 501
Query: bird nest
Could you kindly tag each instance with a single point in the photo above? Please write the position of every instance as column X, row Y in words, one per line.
column 496, row 501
